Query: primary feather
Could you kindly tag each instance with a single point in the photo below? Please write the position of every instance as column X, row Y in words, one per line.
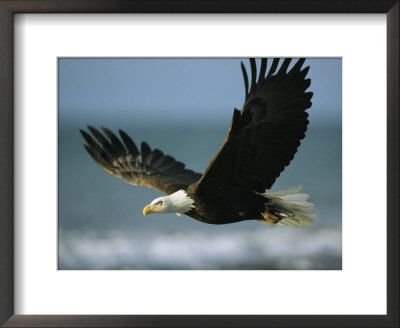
column 146, row 168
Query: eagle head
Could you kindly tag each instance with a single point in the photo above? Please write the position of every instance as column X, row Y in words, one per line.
column 178, row 202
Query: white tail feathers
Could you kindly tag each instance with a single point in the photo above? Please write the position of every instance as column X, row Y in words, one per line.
column 288, row 208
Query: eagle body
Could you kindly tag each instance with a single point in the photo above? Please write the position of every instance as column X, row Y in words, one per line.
column 237, row 205
column 262, row 140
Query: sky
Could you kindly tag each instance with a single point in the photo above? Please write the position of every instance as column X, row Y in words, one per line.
column 154, row 91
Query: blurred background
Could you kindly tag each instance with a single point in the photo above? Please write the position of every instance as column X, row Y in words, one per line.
column 184, row 107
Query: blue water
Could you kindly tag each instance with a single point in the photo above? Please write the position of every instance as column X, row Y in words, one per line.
column 101, row 225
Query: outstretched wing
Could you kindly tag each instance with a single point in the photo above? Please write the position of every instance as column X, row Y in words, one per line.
column 265, row 134
column 151, row 168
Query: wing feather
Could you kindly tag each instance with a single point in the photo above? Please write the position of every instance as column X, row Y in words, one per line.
column 121, row 158
column 274, row 65
column 246, row 79
column 253, row 73
column 129, row 144
column 115, row 143
column 265, row 134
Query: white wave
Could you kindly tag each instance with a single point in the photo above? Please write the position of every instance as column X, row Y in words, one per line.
column 249, row 249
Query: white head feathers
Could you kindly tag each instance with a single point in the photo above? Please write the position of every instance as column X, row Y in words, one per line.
column 178, row 202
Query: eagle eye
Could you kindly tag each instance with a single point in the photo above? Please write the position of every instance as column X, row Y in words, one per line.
column 159, row 203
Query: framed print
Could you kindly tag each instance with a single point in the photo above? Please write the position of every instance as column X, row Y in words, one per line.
column 59, row 74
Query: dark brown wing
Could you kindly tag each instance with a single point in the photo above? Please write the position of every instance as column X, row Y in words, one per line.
column 265, row 134
column 151, row 168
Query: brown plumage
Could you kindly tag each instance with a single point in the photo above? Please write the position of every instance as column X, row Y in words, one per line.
column 263, row 138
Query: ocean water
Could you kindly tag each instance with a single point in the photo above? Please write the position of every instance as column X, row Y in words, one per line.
column 101, row 226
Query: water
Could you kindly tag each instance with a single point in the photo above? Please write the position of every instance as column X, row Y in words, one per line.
column 101, row 225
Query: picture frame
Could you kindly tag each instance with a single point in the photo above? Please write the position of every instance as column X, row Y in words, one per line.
column 9, row 8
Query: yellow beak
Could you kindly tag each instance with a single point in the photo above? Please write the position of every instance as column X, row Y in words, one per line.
column 148, row 209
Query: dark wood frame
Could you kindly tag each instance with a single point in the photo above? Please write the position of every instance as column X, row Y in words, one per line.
column 7, row 10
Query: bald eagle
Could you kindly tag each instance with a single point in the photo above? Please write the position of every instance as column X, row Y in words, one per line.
column 262, row 139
